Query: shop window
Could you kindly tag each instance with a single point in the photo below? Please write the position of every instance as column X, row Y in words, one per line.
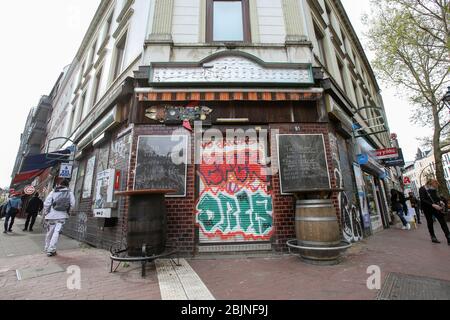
column 228, row 21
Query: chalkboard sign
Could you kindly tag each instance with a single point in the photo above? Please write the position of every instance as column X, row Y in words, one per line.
column 162, row 163
column 303, row 163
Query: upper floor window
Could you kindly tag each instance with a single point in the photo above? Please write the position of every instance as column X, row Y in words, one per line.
column 120, row 53
column 321, row 46
column 228, row 21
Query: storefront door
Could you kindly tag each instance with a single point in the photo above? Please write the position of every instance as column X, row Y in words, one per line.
column 373, row 203
column 235, row 203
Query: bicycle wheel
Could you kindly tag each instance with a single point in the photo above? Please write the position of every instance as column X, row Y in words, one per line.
column 357, row 226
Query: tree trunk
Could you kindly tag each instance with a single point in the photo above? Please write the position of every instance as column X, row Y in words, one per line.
column 440, row 177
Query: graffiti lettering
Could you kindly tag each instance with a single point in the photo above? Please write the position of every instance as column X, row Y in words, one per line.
column 247, row 215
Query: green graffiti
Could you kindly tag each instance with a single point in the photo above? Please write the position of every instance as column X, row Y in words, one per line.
column 250, row 215
column 209, row 212
column 261, row 206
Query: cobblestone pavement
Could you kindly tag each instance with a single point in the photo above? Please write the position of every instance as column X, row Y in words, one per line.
column 407, row 254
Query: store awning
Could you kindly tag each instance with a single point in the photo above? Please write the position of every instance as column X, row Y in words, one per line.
column 222, row 95
column 35, row 165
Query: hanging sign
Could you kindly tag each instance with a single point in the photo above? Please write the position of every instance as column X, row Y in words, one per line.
column 389, row 153
column 30, row 190
column 66, row 171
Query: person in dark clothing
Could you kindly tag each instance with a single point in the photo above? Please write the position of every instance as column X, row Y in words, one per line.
column 415, row 204
column 433, row 206
column 34, row 207
column 13, row 207
column 398, row 207
column 402, row 199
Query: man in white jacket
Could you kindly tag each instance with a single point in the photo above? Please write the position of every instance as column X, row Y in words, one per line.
column 56, row 209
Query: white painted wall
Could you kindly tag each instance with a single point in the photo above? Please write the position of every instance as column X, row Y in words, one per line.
column 271, row 21
column 186, row 21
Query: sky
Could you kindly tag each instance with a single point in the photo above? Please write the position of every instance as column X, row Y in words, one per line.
column 40, row 38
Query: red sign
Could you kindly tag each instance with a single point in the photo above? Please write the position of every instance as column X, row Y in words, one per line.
column 117, row 180
column 29, row 190
column 387, row 153
column 406, row 180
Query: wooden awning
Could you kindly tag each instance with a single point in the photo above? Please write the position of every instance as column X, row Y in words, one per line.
column 229, row 96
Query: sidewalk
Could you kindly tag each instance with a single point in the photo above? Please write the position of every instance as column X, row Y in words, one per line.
column 274, row 277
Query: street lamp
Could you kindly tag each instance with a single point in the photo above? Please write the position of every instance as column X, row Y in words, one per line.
column 446, row 98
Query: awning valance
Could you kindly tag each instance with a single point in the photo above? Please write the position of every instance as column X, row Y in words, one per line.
column 229, row 96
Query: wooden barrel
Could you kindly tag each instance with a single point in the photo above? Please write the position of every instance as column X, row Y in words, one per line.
column 317, row 226
column 147, row 224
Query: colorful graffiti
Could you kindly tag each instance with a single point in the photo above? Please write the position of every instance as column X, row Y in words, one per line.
column 235, row 203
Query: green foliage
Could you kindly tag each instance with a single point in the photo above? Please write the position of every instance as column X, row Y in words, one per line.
column 410, row 39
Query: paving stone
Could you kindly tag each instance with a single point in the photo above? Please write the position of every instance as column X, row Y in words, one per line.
column 36, row 272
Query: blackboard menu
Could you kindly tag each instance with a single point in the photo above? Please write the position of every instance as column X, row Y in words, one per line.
column 303, row 163
column 162, row 163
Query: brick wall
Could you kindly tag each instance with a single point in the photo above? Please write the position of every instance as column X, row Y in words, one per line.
column 82, row 225
column 180, row 211
column 284, row 206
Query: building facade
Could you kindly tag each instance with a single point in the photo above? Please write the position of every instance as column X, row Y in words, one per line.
column 423, row 168
column 149, row 72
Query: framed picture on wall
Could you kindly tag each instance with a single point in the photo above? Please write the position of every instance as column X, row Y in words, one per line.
column 302, row 163
column 161, row 163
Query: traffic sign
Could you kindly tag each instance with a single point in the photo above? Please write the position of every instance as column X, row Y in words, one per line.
column 30, row 190
column 406, row 180
column 66, row 171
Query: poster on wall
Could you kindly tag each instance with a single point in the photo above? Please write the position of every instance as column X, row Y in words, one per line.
column 362, row 196
column 302, row 162
column 158, row 163
column 88, row 178
column 104, row 194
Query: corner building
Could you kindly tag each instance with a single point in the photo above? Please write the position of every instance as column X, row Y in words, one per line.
column 148, row 70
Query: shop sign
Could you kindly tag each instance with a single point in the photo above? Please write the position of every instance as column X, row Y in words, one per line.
column 395, row 162
column 389, row 153
column 66, row 171
column 407, row 180
column 237, row 70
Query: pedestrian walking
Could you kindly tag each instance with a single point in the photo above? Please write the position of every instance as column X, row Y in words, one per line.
column 433, row 206
column 13, row 207
column 398, row 203
column 415, row 205
column 56, row 208
column 35, row 205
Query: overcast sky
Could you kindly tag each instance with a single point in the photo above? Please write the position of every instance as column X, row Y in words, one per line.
column 39, row 38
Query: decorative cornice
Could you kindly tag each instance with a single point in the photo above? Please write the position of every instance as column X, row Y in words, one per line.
column 124, row 10
column 103, row 7
column 100, row 59
column 103, row 45
column 85, row 82
column 123, row 23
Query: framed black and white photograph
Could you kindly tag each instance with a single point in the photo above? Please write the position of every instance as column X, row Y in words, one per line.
column 162, row 163
column 302, row 163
